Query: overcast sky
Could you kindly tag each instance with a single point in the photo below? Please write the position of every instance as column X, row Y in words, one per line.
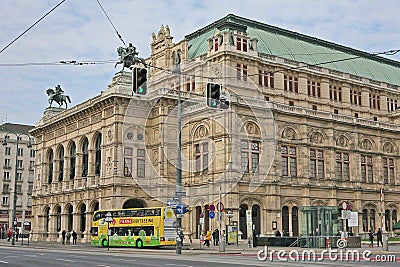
column 79, row 30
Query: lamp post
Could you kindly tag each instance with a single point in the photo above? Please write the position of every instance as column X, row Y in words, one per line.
column 108, row 220
column 14, row 209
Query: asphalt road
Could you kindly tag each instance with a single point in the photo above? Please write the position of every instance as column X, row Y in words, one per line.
column 40, row 257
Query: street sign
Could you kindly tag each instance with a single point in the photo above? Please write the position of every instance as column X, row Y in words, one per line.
column 211, row 207
column 220, row 206
column 180, row 209
column 346, row 214
column 220, row 216
column 171, row 203
column 201, row 221
column 201, row 215
column 183, row 194
column 353, row 220
column 175, row 198
column 211, row 215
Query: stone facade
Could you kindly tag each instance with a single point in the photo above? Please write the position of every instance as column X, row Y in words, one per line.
column 296, row 135
column 25, row 166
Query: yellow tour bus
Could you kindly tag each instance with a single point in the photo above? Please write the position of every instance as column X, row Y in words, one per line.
column 138, row 227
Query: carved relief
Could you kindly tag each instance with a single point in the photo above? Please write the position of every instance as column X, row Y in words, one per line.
column 289, row 133
column 201, row 132
column 316, row 138
column 110, row 135
column 366, row 144
column 342, row 141
column 252, row 128
column 217, row 71
column 388, row 148
column 96, row 117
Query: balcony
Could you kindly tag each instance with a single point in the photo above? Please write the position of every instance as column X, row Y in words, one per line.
column 6, row 167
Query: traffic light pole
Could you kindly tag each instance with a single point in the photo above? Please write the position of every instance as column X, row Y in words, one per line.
column 179, row 165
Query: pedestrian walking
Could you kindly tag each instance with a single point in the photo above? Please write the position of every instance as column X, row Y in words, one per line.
column 379, row 237
column 371, row 238
column 63, row 234
column 181, row 237
column 9, row 234
column 208, row 238
column 68, row 237
column 74, row 237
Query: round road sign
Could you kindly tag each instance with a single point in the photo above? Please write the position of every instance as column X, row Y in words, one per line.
column 211, row 207
column 212, row 214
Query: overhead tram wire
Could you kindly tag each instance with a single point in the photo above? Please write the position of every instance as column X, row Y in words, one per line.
column 112, row 24
column 58, row 63
column 33, row 25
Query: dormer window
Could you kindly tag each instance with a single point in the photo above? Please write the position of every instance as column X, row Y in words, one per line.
column 241, row 44
column 216, row 40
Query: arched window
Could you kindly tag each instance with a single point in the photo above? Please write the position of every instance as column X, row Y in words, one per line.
column 61, row 164
column 50, row 159
column 85, row 157
column 295, row 221
column 255, row 213
column 47, row 219
column 70, row 215
column 58, row 218
column 285, row 220
column 242, row 220
column 365, row 220
column 133, row 203
column 72, row 154
column 372, row 219
column 198, row 212
column 394, row 217
column 83, row 218
column 98, row 155
column 387, row 220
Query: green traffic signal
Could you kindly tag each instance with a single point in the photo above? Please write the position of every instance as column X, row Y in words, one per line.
column 139, row 81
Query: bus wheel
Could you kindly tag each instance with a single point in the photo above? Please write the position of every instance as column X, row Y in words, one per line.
column 139, row 243
column 104, row 243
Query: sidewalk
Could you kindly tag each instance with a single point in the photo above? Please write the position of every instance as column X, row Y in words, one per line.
column 188, row 248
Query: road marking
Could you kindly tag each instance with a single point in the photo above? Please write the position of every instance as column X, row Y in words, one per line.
column 181, row 265
column 101, row 265
column 3, row 262
column 64, row 260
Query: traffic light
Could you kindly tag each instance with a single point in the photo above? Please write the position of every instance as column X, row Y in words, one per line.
column 213, row 94
column 216, row 97
column 139, row 81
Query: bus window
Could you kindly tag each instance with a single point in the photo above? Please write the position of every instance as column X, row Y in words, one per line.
column 149, row 212
column 139, row 213
column 157, row 212
column 94, row 231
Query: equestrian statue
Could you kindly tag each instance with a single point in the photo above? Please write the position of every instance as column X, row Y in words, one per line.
column 58, row 96
column 128, row 56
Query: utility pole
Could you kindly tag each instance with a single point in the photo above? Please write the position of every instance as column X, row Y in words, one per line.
column 178, row 189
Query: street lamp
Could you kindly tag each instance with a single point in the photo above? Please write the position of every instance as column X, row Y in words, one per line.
column 14, row 209
column 108, row 219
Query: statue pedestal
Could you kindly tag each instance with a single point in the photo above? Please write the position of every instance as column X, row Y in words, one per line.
column 121, row 84
column 48, row 113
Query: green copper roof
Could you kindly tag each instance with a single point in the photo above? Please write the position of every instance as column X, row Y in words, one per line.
column 298, row 47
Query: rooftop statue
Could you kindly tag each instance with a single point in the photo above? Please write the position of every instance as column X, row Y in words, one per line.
column 128, row 56
column 58, row 96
